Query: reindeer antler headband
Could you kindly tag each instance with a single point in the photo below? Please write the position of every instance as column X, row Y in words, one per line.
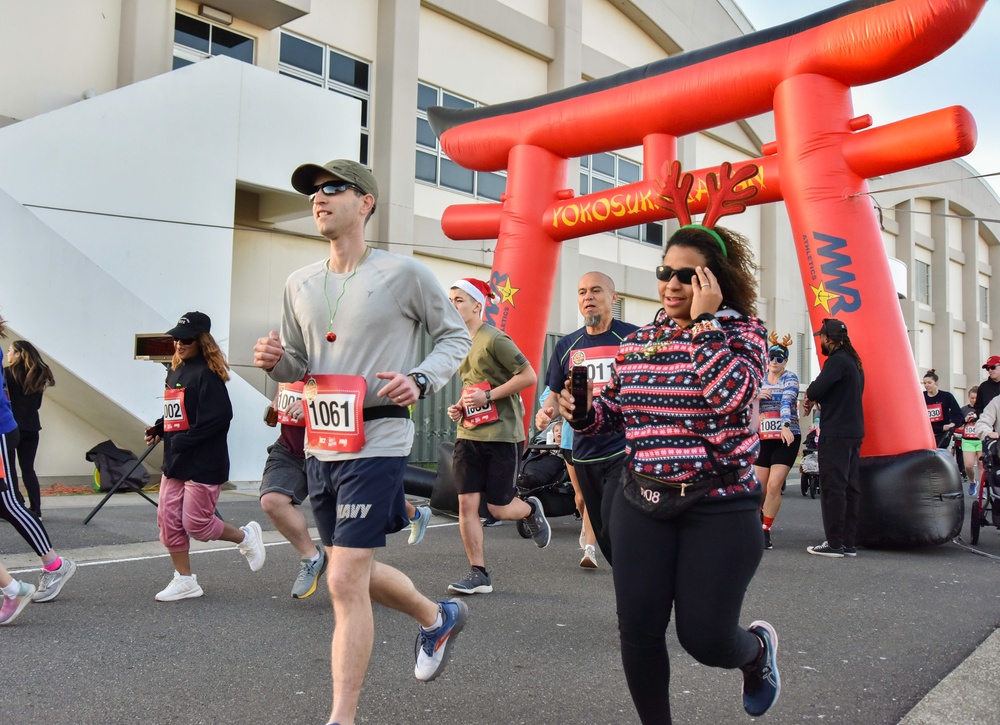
column 723, row 195
column 772, row 340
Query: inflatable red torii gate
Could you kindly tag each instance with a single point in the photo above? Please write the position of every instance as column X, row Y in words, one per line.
column 818, row 165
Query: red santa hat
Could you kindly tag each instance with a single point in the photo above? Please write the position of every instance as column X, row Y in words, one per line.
column 476, row 288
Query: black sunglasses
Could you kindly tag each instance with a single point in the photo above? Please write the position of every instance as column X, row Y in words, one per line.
column 330, row 188
column 185, row 340
column 991, row 367
column 684, row 275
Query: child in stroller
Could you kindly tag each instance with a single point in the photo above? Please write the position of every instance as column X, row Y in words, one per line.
column 809, row 466
column 543, row 474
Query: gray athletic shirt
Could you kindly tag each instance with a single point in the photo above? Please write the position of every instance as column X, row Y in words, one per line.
column 377, row 324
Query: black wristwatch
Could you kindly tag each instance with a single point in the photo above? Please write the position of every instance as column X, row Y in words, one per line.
column 421, row 380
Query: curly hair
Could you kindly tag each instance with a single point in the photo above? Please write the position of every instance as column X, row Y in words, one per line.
column 211, row 352
column 735, row 271
column 29, row 369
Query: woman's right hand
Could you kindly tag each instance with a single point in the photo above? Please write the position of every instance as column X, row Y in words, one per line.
column 764, row 394
column 152, row 435
column 566, row 403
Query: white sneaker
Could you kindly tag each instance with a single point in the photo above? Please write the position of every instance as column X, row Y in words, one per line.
column 589, row 560
column 252, row 546
column 180, row 587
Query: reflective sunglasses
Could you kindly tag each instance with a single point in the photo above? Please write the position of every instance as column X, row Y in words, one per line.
column 774, row 357
column 684, row 274
column 185, row 340
column 331, row 188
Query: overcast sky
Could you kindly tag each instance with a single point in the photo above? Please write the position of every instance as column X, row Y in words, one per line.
column 967, row 74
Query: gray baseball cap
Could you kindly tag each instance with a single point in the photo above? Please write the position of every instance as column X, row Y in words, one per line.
column 304, row 177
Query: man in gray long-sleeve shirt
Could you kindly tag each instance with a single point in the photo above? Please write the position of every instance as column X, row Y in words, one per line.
column 353, row 322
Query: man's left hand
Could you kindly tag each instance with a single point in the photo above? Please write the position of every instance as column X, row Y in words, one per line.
column 401, row 389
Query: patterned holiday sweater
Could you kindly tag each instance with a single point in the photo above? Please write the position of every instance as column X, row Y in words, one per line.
column 685, row 401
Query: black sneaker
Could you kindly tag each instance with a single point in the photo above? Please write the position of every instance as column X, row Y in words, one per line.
column 537, row 525
column 850, row 551
column 825, row 549
column 767, row 539
column 761, row 681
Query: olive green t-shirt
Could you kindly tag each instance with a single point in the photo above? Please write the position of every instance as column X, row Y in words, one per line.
column 494, row 358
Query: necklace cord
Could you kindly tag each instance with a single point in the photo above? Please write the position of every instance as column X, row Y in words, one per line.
column 334, row 308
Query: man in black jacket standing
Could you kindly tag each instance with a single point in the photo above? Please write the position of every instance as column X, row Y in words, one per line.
column 837, row 389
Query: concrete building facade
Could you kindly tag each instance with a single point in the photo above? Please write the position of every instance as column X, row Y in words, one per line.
column 145, row 158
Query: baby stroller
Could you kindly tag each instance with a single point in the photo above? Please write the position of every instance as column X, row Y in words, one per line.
column 543, row 474
column 809, row 467
column 986, row 507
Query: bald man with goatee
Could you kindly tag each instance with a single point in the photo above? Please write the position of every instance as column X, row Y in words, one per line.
column 598, row 459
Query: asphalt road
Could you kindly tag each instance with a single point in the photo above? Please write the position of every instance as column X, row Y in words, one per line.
column 861, row 641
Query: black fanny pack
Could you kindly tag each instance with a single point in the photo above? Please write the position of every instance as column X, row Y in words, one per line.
column 666, row 500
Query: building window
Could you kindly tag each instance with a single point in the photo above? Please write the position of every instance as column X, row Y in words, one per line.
column 922, row 279
column 618, row 309
column 601, row 172
column 433, row 164
column 196, row 40
column 984, row 305
column 320, row 65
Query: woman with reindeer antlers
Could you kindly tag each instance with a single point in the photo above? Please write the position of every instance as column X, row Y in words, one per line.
column 684, row 524
column 778, row 427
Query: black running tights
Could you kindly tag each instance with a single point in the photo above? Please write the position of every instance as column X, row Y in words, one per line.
column 699, row 565
column 11, row 508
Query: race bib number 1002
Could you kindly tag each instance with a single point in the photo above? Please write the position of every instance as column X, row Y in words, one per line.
column 174, row 414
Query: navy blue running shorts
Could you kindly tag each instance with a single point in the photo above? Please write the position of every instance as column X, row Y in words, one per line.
column 358, row 501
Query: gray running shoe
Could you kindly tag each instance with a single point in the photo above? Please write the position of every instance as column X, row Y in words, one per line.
column 309, row 574
column 418, row 527
column 537, row 525
column 475, row 582
column 52, row 582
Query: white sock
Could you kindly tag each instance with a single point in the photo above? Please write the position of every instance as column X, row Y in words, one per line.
column 316, row 558
column 12, row 590
column 437, row 622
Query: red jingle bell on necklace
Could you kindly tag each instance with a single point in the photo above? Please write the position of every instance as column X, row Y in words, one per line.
column 330, row 337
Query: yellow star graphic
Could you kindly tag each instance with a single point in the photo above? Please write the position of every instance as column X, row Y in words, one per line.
column 823, row 298
column 507, row 292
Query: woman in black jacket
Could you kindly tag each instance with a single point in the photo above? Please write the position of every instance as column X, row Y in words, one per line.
column 194, row 426
column 27, row 376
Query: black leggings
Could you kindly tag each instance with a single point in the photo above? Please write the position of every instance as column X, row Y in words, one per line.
column 11, row 508
column 26, row 449
column 699, row 565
